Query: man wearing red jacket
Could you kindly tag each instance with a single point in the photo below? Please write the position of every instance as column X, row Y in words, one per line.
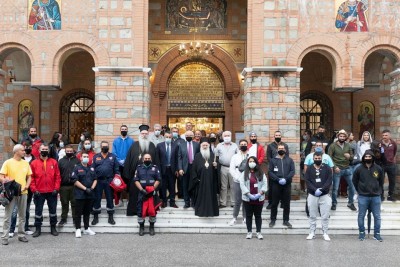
column 255, row 148
column 45, row 185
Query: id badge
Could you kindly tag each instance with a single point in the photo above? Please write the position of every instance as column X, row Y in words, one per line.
column 255, row 185
column 318, row 180
column 275, row 169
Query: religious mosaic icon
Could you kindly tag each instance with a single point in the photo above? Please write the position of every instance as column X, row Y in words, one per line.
column 25, row 118
column 44, row 15
column 365, row 118
column 352, row 16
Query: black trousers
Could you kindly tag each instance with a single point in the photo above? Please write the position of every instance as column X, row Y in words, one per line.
column 281, row 193
column 253, row 209
column 390, row 170
column 269, row 191
column 83, row 207
column 168, row 183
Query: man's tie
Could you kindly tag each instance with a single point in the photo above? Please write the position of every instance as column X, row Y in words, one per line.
column 168, row 155
column 190, row 153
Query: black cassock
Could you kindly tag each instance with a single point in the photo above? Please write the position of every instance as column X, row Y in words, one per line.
column 204, row 187
column 131, row 162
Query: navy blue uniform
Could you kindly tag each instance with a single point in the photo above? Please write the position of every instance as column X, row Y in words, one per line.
column 146, row 176
column 105, row 169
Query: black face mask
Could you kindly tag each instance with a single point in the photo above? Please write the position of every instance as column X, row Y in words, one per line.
column 221, row 140
column 44, row 153
column 105, row 149
column 33, row 136
column 278, row 139
column 320, row 135
column 189, row 139
column 253, row 141
column 69, row 154
column 243, row 148
column 318, row 162
column 147, row 163
column 213, row 139
column 28, row 151
column 281, row 152
column 124, row 133
column 368, row 161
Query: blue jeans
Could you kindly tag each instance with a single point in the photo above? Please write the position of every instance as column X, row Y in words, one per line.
column 373, row 204
column 348, row 175
column 52, row 205
column 103, row 185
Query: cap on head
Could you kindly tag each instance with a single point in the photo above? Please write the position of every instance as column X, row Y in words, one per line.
column 144, row 127
column 342, row 132
column 252, row 133
column 204, row 140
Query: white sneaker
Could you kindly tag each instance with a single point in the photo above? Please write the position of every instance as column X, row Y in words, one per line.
column 88, row 232
column 233, row 222
column 249, row 235
column 326, row 237
column 310, row 236
column 259, row 236
column 11, row 235
column 78, row 233
column 29, row 232
column 244, row 221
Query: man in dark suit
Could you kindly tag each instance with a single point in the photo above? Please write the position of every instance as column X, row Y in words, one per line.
column 166, row 152
column 186, row 152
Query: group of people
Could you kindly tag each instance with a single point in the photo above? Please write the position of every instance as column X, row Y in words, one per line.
column 209, row 173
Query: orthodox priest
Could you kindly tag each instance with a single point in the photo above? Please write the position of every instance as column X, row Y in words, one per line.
column 204, row 183
column 133, row 159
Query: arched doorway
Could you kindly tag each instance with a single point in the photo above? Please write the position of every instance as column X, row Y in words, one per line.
column 77, row 115
column 196, row 94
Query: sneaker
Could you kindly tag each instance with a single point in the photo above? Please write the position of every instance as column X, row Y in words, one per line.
column 333, row 207
column 272, row 223
column 288, row 224
column 259, row 236
column 361, row 236
column 326, row 237
column 11, row 235
column 4, row 242
column 391, row 198
column 249, row 235
column 78, row 233
column 378, row 237
column 269, row 206
column 88, row 232
column 310, row 236
column 28, row 232
column 62, row 222
column 352, row 207
column 23, row 239
column 232, row 222
column 244, row 221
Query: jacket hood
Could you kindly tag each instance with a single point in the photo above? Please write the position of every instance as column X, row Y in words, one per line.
column 368, row 152
column 370, row 137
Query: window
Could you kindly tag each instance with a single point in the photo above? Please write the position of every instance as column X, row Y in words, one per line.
column 315, row 110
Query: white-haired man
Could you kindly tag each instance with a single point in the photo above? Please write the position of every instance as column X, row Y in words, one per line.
column 16, row 169
column 156, row 136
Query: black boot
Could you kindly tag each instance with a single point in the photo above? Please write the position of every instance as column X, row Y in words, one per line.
column 95, row 219
column 141, row 229
column 151, row 229
column 37, row 232
column 53, row 230
column 111, row 219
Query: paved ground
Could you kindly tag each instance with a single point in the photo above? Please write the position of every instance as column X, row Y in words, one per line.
column 199, row 250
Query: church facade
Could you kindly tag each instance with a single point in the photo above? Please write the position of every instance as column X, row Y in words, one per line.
column 262, row 66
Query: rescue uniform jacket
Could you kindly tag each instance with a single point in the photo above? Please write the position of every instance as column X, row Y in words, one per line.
column 86, row 176
column 106, row 167
column 45, row 176
column 66, row 166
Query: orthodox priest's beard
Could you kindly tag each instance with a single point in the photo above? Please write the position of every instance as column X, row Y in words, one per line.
column 205, row 153
column 144, row 144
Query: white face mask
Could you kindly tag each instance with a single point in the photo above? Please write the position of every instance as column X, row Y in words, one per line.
column 227, row 139
column 87, row 147
column 157, row 133
column 61, row 144
column 252, row 165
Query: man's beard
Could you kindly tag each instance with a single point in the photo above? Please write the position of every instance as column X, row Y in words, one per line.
column 205, row 153
column 144, row 144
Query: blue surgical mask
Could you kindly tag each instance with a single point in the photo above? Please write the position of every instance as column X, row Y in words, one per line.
column 168, row 140
column 85, row 160
column 318, row 149
column 175, row 135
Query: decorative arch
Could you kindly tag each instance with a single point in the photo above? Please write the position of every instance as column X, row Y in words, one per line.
column 220, row 61
column 8, row 48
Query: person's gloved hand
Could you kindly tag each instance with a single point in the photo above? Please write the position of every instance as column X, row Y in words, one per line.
column 144, row 191
column 257, row 196
column 151, row 193
column 37, row 193
column 88, row 190
column 121, row 162
column 54, row 193
column 252, row 197
column 318, row 192
column 282, row 181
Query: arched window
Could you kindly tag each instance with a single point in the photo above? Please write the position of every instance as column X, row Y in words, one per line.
column 77, row 115
column 315, row 110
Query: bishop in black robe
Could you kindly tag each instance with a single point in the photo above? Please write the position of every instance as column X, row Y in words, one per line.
column 133, row 159
column 204, row 183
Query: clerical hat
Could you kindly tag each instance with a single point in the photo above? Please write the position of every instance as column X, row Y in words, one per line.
column 204, row 139
column 144, row 127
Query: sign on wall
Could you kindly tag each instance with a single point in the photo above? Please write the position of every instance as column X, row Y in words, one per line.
column 352, row 15
column 44, row 15
column 366, row 118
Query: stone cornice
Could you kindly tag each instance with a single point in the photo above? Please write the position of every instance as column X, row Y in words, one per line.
column 394, row 74
column 271, row 69
column 122, row 69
